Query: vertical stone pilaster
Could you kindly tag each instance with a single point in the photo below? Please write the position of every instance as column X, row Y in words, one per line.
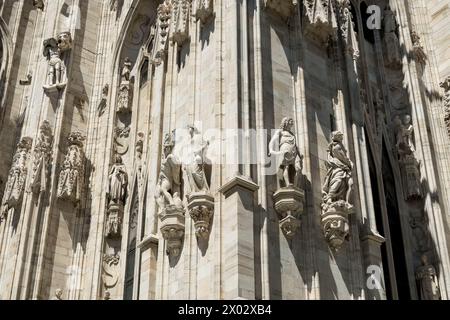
column 238, row 239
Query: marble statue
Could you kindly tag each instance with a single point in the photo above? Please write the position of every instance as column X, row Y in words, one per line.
column 338, row 183
column 288, row 156
column 41, row 161
column 169, row 184
column 428, row 281
column 70, row 184
column 118, row 182
column 195, row 169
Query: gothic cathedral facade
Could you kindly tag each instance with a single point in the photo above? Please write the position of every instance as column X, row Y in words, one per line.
column 224, row 149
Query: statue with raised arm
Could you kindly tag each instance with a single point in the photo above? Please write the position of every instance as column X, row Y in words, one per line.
column 289, row 159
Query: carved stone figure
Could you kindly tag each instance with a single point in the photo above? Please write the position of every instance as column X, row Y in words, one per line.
column 428, row 282
column 58, row 294
column 118, row 182
column 54, row 50
column 41, row 159
column 289, row 158
column 393, row 52
column 289, row 198
column 336, row 192
column 338, row 182
column 125, row 97
column 195, row 169
column 169, row 184
column 204, row 10
column 419, row 51
column 15, row 185
column 409, row 165
column 70, row 184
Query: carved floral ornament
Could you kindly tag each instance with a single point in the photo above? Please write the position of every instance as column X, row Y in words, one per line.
column 15, row 185
column 446, row 102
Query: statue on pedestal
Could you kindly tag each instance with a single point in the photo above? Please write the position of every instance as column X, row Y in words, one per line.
column 336, row 193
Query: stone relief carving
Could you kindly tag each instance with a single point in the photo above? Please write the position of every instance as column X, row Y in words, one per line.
column 321, row 20
column 39, row 4
column 289, row 198
column 419, row 52
column 103, row 103
column 42, row 159
column 139, row 151
column 204, row 10
column 393, row 56
column 55, row 51
column 70, row 185
column 164, row 15
column 121, row 140
column 200, row 201
column 409, row 165
column 446, row 86
column 125, row 97
column 181, row 11
column 284, row 8
column 111, row 270
column 15, row 184
column 168, row 197
column 427, row 279
column 58, row 294
column 336, row 192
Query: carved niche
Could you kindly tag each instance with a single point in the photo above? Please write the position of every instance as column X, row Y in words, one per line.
column 336, row 193
column 204, row 10
column 289, row 198
column 70, row 185
column 446, row 101
column 56, row 51
column 42, row 160
column 409, row 165
column 320, row 19
column 168, row 198
column 200, row 200
column 125, row 95
column 181, row 11
column 15, row 184
column 284, row 8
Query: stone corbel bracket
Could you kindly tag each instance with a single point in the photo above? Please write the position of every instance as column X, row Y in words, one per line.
column 284, row 8
column 289, row 203
column 335, row 223
column 173, row 228
column 201, row 210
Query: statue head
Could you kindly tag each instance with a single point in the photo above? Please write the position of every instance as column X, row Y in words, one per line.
column 64, row 41
column 406, row 119
column 287, row 124
column 169, row 143
column 337, row 136
column 119, row 159
column 58, row 293
column 424, row 259
column 192, row 131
